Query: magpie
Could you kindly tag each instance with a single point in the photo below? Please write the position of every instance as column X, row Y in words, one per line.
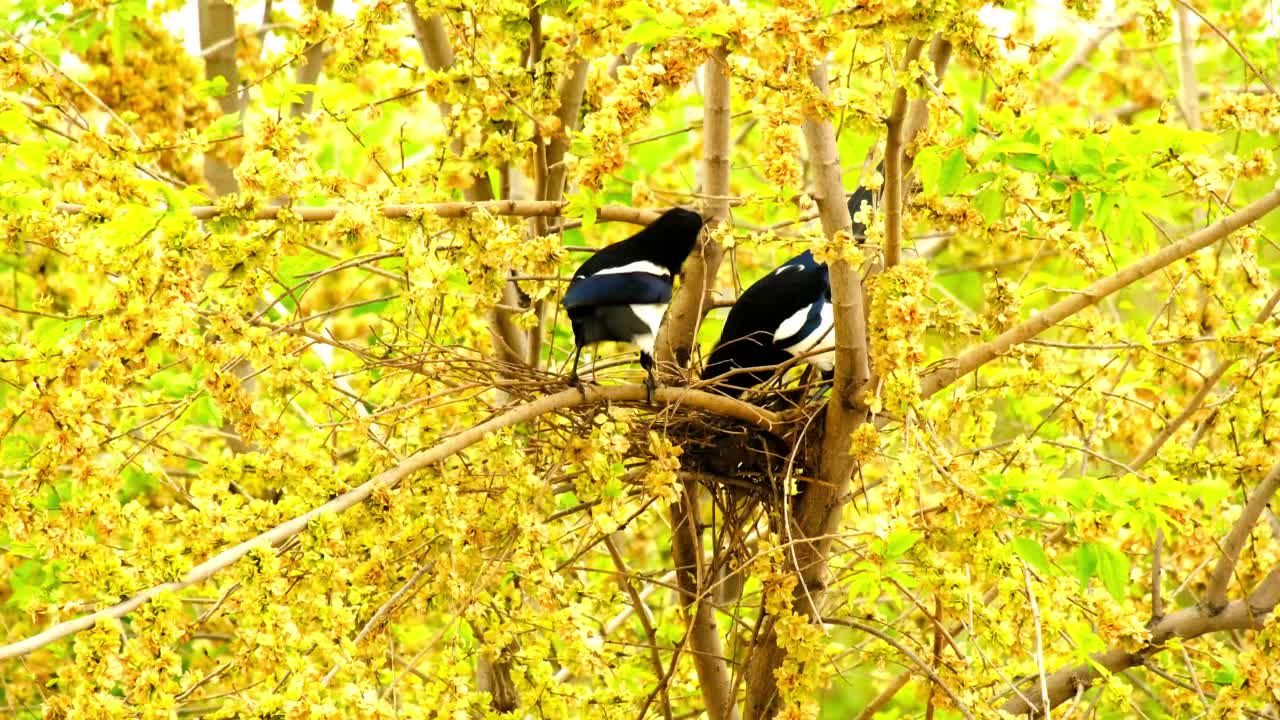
column 622, row 292
column 784, row 314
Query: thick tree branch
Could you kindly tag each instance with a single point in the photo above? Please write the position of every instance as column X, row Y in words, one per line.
column 1216, row 595
column 918, row 110
column 513, row 208
column 974, row 358
column 691, row 303
column 510, row 340
column 309, row 71
column 695, row 399
column 893, row 163
column 704, row 635
column 675, row 341
column 218, row 30
column 819, row 505
column 1190, row 89
column 572, row 89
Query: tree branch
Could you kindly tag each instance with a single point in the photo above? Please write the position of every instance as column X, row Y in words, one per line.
column 1188, row 623
column 1216, row 596
column 893, row 163
column 974, row 358
column 1187, row 69
column 218, row 29
column 589, row 395
column 510, row 340
column 819, row 505
column 513, row 208
column 680, row 330
column 309, row 72
column 704, row 635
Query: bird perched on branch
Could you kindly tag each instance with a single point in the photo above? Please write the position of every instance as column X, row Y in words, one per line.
column 622, row 292
column 785, row 314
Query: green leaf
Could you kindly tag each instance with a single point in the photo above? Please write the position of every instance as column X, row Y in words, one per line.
column 223, row 127
column 1113, row 569
column 953, row 169
column 990, row 203
column 204, row 412
column 1028, row 163
column 206, row 89
column 48, row 333
column 1077, row 209
column 1086, row 562
column 899, row 543
column 929, row 166
column 1031, row 551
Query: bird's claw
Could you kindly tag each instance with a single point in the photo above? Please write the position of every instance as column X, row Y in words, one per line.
column 650, row 387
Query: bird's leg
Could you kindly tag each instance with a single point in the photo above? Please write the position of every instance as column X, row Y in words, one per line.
column 573, row 371
column 650, row 381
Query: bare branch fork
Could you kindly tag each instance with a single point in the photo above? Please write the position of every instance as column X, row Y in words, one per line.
column 708, row 402
column 1214, row 615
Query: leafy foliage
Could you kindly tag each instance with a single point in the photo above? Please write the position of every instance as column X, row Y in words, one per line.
column 181, row 371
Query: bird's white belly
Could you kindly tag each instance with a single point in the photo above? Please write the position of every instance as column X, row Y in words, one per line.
column 651, row 316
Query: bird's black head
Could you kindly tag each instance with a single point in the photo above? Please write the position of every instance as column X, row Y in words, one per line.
column 670, row 238
column 856, row 200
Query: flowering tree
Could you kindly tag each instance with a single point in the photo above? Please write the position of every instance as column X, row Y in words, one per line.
column 286, row 432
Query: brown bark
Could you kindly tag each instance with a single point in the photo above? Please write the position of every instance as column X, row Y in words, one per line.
column 678, row 334
column 819, row 505
column 309, row 72
column 218, row 31
column 692, row 574
column 691, row 303
column 974, row 358
column 509, row 339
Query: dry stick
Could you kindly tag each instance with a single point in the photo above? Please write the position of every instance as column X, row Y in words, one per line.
column 1231, row 43
column 1216, row 596
column 818, row 507
column 974, row 358
column 513, row 208
column 893, row 163
column 646, row 617
column 708, row 402
column 1187, row 624
column 392, row 604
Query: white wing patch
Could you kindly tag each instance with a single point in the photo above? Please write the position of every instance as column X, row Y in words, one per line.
column 792, row 325
column 639, row 266
column 650, row 315
column 780, row 270
column 822, row 338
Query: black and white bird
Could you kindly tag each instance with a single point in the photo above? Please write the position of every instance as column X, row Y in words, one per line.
column 785, row 314
column 621, row 293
